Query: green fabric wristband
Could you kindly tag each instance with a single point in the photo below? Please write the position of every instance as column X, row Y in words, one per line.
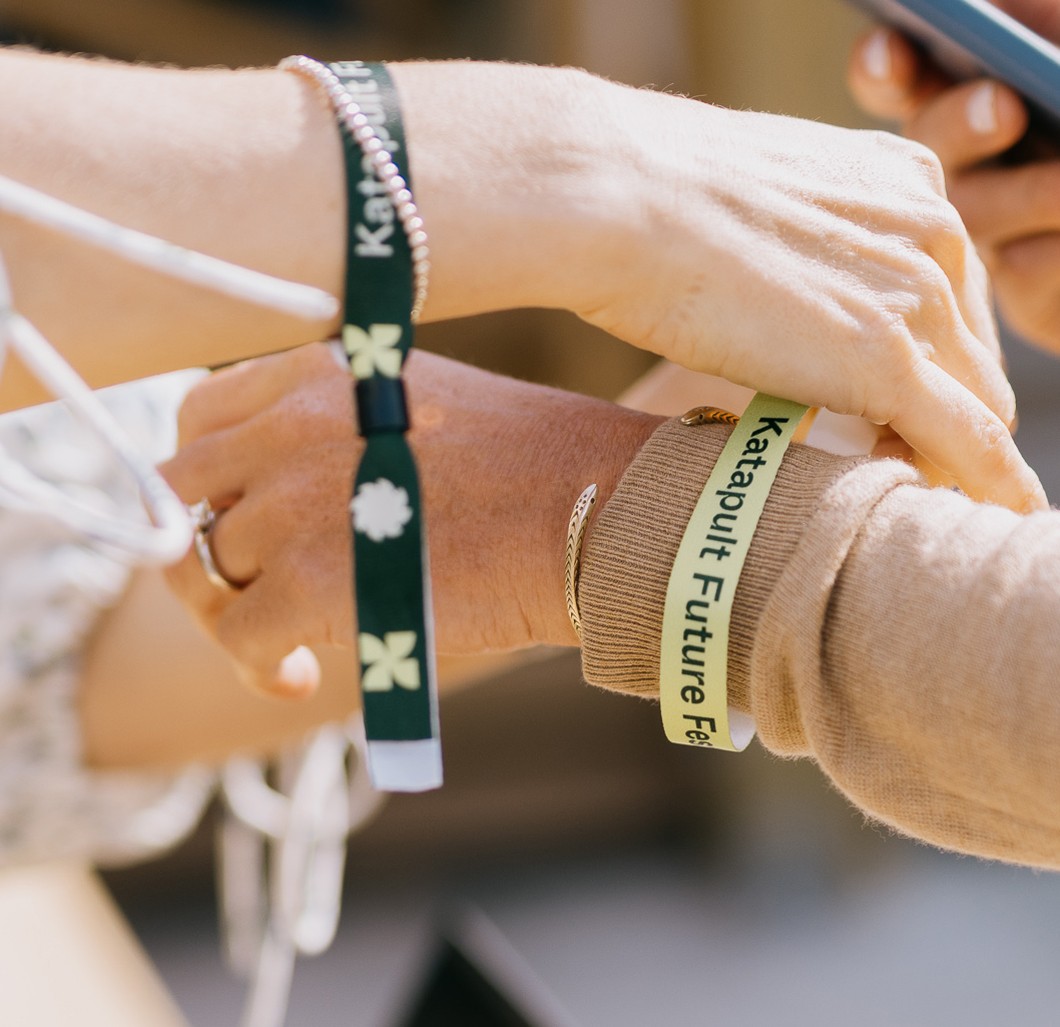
column 391, row 586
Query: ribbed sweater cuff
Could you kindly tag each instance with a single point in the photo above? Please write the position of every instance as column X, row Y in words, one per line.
column 628, row 557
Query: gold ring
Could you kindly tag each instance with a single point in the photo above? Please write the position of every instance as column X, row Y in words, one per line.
column 204, row 518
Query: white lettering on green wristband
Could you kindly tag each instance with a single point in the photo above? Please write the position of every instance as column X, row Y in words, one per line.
column 386, row 266
column 693, row 668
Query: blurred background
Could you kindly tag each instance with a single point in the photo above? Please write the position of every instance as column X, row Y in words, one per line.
column 598, row 876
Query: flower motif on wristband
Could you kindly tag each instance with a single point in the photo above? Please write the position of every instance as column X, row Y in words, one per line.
column 373, row 350
column 380, row 510
column 388, row 661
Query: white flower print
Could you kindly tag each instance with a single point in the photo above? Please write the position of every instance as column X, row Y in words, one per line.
column 374, row 350
column 381, row 510
column 387, row 661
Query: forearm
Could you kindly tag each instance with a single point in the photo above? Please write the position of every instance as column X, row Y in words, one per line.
column 154, row 692
column 694, row 232
column 531, row 452
column 902, row 637
column 945, row 671
column 241, row 165
column 629, row 557
column 247, row 166
column 523, row 183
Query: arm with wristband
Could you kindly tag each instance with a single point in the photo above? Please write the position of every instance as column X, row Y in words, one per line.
column 475, row 270
column 641, row 212
column 902, row 637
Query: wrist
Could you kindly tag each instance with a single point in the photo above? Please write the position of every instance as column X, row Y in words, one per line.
column 597, row 446
column 629, row 559
column 513, row 171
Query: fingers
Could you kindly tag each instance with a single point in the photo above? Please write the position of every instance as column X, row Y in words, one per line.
column 269, row 524
column 977, row 370
column 280, row 550
column 297, row 674
column 235, row 394
column 272, row 672
column 964, row 124
column 960, row 339
column 1011, row 209
column 247, row 421
column 264, row 627
column 891, row 445
column 969, row 123
column 208, row 468
column 956, row 409
column 953, row 321
column 1028, row 276
column 951, row 401
column 188, row 580
column 953, row 326
column 966, row 441
column 272, row 446
column 1003, row 204
column 889, row 78
column 191, row 580
column 966, row 280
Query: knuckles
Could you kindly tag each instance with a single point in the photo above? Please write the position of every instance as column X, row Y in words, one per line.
column 926, row 162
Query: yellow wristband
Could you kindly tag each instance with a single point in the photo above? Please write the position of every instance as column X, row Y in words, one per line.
column 693, row 668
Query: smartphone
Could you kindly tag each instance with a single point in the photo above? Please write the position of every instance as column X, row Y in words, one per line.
column 968, row 38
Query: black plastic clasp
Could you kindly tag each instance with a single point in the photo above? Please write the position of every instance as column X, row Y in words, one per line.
column 381, row 405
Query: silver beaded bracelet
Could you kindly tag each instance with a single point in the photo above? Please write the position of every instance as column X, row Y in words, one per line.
column 350, row 114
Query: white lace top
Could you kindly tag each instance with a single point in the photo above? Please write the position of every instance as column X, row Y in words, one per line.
column 52, row 591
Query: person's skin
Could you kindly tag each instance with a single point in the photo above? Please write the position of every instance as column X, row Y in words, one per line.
column 271, row 443
column 155, row 692
column 1012, row 211
column 796, row 258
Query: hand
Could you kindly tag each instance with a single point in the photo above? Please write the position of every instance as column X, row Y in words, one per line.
column 1012, row 212
column 818, row 263
column 271, row 443
column 826, row 266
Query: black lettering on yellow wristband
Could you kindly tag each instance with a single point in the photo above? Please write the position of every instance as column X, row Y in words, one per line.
column 693, row 669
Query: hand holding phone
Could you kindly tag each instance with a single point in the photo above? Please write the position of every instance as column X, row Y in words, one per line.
column 1003, row 178
column 969, row 38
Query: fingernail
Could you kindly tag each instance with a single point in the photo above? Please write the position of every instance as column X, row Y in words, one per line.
column 876, row 55
column 299, row 669
column 982, row 109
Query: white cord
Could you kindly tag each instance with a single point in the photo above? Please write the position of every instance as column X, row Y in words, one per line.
column 168, row 535
column 269, row 923
column 253, row 286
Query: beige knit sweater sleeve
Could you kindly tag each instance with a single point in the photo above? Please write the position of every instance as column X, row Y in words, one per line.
column 905, row 638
